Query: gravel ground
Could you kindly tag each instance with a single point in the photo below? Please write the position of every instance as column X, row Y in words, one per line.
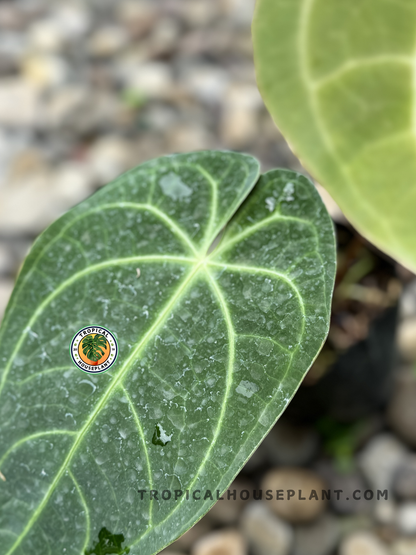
column 89, row 89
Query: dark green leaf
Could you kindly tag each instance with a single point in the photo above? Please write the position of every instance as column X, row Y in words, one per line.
column 212, row 347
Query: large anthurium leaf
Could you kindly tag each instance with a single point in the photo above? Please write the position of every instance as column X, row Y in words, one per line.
column 338, row 77
column 213, row 343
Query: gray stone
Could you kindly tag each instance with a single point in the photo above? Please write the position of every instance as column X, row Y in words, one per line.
column 239, row 123
column 351, row 523
column 224, row 542
column 137, row 16
column 199, row 13
column 100, row 111
column 18, row 248
column 406, row 518
column 318, row 538
column 401, row 412
column 109, row 157
column 187, row 540
column 73, row 183
column 266, row 533
column 404, row 483
column 163, row 39
column 207, row 42
column 153, row 79
column 186, row 137
column 380, row 459
column 208, row 83
column 406, row 339
column 45, row 36
column 404, row 546
column 73, row 20
column 64, row 105
column 6, row 288
column 19, row 103
column 385, row 512
column 12, row 51
column 362, row 543
column 6, row 260
column 159, row 117
column 306, row 504
column 36, row 195
column 62, row 24
column 408, row 301
column 11, row 17
column 107, row 41
column 11, row 143
column 290, row 445
column 228, row 510
column 240, row 12
column 45, row 70
column 347, row 482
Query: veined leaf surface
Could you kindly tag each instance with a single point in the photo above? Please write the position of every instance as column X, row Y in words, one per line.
column 212, row 346
column 338, row 77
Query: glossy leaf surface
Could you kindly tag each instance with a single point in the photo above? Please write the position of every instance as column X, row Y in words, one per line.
column 338, row 77
column 212, row 346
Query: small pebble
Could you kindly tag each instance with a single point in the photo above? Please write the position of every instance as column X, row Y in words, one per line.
column 107, row 41
column 228, row 510
column 406, row 518
column 380, row 459
column 266, row 533
column 303, row 506
column 290, row 445
column 6, row 288
column 406, row 339
column 224, row 542
column 401, row 411
column 404, row 546
column 404, row 483
column 318, row 538
column 362, row 543
column 200, row 529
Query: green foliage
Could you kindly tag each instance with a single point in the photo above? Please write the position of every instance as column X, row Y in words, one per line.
column 94, row 347
column 108, row 543
column 340, row 441
column 338, row 78
column 133, row 98
column 213, row 344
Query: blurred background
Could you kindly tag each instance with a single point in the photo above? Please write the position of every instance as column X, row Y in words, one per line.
column 91, row 88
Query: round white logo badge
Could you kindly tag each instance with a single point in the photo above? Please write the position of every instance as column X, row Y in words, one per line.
column 94, row 349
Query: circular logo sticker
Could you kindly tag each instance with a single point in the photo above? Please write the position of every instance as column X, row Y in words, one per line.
column 94, row 349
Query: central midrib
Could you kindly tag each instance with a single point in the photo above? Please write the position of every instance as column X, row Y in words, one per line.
column 117, row 380
column 127, row 365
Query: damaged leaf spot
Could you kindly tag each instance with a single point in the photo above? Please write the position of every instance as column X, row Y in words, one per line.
column 108, row 543
column 160, row 437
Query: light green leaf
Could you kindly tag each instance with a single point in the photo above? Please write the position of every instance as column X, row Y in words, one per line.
column 338, row 77
column 211, row 349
